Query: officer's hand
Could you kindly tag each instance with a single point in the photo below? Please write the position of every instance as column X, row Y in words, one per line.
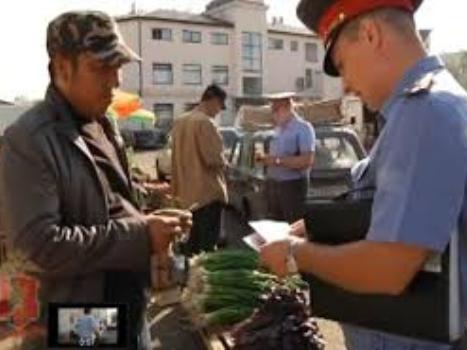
column 274, row 255
column 298, row 228
column 163, row 230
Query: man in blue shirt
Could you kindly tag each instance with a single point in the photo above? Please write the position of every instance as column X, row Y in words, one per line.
column 418, row 165
column 289, row 161
column 87, row 328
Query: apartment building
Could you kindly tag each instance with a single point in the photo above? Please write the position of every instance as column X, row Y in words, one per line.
column 230, row 43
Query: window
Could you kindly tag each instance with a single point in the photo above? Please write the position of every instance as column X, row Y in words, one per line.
column 162, row 34
column 308, row 78
column 334, row 152
column 259, row 169
column 311, row 52
column 236, row 153
column 165, row 114
column 300, row 84
column 276, row 44
column 192, row 74
column 294, row 45
column 252, row 51
column 219, row 39
column 162, row 74
column 252, row 86
column 220, row 75
column 190, row 36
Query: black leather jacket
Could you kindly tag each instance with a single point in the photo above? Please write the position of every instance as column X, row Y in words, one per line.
column 54, row 210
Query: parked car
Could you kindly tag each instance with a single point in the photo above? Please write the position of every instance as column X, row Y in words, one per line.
column 144, row 139
column 128, row 136
column 337, row 150
column 230, row 136
column 163, row 161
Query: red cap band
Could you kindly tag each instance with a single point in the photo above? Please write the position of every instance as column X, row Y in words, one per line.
column 343, row 10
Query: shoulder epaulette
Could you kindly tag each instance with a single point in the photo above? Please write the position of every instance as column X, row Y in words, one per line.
column 424, row 84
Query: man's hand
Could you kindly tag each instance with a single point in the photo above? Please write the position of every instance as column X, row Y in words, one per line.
column 163, row 230
column 185, row 217
column 162, row 188
column 266, row 159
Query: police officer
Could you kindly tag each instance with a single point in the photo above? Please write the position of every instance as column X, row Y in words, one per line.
column 289, row 161
column 418, row 165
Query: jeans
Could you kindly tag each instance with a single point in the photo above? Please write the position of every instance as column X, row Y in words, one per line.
column 357, row 338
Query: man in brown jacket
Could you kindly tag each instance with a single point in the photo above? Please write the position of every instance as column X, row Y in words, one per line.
column 198, row 166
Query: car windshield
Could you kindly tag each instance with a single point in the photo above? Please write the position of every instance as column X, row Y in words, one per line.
column 334, row 152
column 229, row 137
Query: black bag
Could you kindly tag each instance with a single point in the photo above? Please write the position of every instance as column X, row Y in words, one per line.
column 429, row 309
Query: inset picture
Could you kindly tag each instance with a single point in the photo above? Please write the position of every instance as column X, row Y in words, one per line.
column 86, row 326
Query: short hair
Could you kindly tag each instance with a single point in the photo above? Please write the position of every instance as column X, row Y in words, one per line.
column 400, row 20
column 214, row 91
column 87, row 310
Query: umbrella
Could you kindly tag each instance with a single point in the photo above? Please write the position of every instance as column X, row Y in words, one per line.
column 142, row 115
column 124, row 103
column 128, row 107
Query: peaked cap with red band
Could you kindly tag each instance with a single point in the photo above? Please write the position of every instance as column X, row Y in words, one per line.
column 327, row 17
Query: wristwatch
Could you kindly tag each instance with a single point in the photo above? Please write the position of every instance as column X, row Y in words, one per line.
column 277, row 161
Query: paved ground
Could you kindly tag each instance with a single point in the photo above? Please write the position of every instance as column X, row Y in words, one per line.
column 170, row 330
column 146, row 160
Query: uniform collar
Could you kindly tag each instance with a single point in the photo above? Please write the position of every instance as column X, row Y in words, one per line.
column 413, row 75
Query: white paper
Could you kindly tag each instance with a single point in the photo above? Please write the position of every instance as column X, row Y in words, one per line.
column 266, row 231
column 270, row 230
column 254, row 241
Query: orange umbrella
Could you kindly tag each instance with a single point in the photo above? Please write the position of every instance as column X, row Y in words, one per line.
column 124, row 104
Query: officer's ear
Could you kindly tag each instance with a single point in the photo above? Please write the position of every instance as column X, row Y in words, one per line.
column 371, row 33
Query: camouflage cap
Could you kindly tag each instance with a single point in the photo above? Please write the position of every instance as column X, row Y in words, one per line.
column 88, row 31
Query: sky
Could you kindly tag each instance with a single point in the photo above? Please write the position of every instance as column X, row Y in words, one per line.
column 23, row 57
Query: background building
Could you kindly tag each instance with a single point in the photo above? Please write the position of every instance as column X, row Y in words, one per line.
column 232, row 44
column 456, row 63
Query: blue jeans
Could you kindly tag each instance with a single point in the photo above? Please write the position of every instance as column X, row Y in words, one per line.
column 357, row 338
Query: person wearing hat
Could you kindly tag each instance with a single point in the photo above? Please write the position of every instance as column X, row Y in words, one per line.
column 198, row 169
column 65, row 192
column 289, row 160
column 418, row 164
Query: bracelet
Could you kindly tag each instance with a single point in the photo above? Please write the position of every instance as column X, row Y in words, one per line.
column 291, row 263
